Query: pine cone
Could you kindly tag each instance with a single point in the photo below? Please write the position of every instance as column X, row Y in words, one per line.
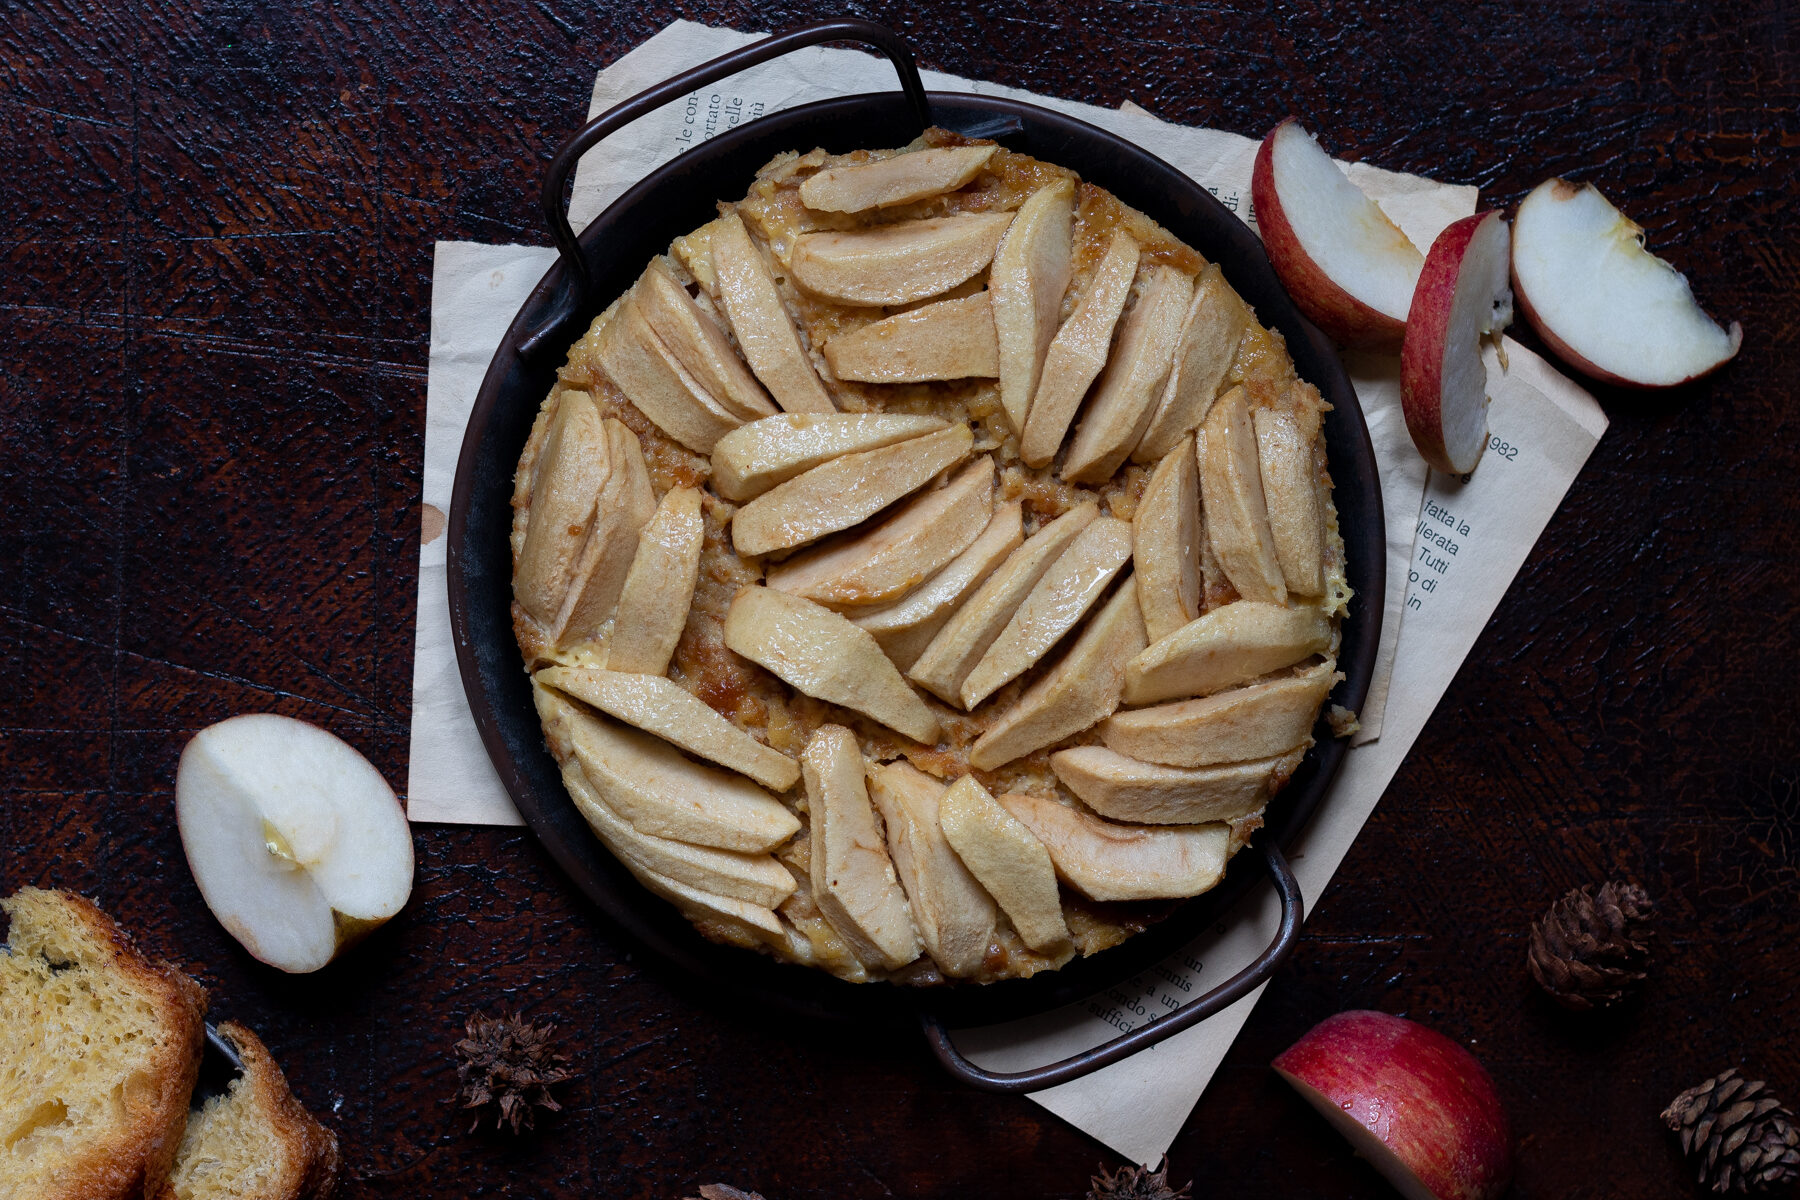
column 1742, row 1138
column 509, row 1065
column 1136, row 1183
column 1589, row 950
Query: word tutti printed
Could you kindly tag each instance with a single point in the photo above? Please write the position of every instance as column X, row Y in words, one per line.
column 705, row 117
column 1438, row 532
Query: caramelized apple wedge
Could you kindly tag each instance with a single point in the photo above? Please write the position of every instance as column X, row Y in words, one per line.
column 1055, row 604
column 626, row 504
column 905, row 627
column 1108, row 862
column 1258, row 721
column 1237, row 517
column 1216, row 321
column 698, row 344
column 960, row 644
column 1082, row 688
column 915, row 175
column 951, row 339
column 845, row 491
column 738, row 921
column 753, row 458
column 1078, row 352
column 853, row 880
column 571, row 467
column 1165, row 544
column 659, row 587
column 1290, row 484
column 896, row 264
column 1007, row 859
column 658, row 386
column 1126, row 789
column 825, row 656
column 764, row 330
column 1030, row 273
column 954, row 913
column 1125, row 398
column 656, row 706
column 1232, row 644
column 660, row 792
column 921, row 536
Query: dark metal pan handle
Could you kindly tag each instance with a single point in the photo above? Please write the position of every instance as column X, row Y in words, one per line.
column 1293, row 906
column 556, row 178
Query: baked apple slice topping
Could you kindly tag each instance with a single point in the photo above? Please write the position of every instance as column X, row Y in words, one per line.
column 951, row 339
column 1030, row 273
column 1006, row 859
column 1125, row 398
column 905, row 627
column 659, row 587
column 853, row 880
column 626, row 504
column 1237, row 514
column 1127, row 789
column 954, row 913
column 698, row 344
column 753, row 458
column 896, row 264
column 1105, row 862
column 902, row 179
column 1258, row 721
column 1216, row 321
column 1290, row 486
column 1165, row 543
column 760, row 321
column 1078, row 352
column 1232, row 644
column 572, row 466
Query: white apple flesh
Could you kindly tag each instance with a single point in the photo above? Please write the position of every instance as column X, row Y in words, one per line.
column 298, row 844
column 1347, row 266
column 1606, row 305
column 1462, row 298
column 1418, row 1106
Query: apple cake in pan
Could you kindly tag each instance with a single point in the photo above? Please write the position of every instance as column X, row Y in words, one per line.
column 928, row 569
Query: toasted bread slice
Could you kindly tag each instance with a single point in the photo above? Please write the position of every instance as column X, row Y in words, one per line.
column 99, row 1049
column 255, row 1142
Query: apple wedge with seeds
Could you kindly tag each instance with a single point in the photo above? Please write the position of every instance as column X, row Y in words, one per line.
column 1231, row 489
column 905, row 627
column 902, row 179
column 1230, row 645
column 896, row 264
column 760, row 321
column 755, row 457
column 1055, row 604
column 954, row 913
column 659, row 707
column 698, row 344
column 1108, row 862
column 823, row 655
column 1030, row 273
column 965, row 637
column 1125, row 398
column 845, row 491
column 1290, row 485
column 853, row 880
column 1216, row 322
column 1007, row 859
column 658, row 386
column 1165, row 543
column 1078, row 352
column 651, row 785
column 572, row 465
column 659, row 587
column 1259, row 721
column 950, row 339
column 1082, row 688
column 625, row 506
column 1127, row 789
column 920, row 537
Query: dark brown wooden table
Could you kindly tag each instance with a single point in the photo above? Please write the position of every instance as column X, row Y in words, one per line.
column 217, row 224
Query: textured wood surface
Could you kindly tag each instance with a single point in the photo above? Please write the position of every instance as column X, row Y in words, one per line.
column 214, row 296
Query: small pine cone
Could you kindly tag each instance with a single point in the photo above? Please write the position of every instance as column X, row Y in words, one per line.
column 1741, row 1138
column 1136, row 1183
column 507, row 1067
column 1589, row 950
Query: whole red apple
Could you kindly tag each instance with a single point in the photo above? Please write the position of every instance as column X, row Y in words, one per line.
column 1418, row 1106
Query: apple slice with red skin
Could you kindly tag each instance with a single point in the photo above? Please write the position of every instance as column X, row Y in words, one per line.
column 1605, row 304
column 1347, row 266
column 1462, row 297
column 1418, row 1106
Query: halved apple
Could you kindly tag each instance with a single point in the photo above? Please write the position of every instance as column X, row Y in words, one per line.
column 1078, row 352
column 698, row 344
column 919, row 538
column 299, row 846
column 825, row 656
column 1216, row 321
column 755, row 457
column 1082, row 688
column 951, row 339
column 905, row 627
column 1258, row 721
column 1125, row 398
column 1290, row 484
column 1604, row 303
column 1104, row 861
column 1232, row 644
column 1347, row 266
column 896, row 264
column 954, row 913
column 572, row 465
column 659, row 588
column 1462, row 298
column 1165, row 544
column 1026, row 282
column 1007, row 859
column 1128, row 789
column 853, row 880
column 1237, row 513
column 764, row 330
column 845, row 491
column 885, row 182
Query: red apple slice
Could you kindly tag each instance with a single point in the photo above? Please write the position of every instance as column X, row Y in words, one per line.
column 1347, row 266
column 1462, row 297
column 1418, row 1106
column 1607, row 306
